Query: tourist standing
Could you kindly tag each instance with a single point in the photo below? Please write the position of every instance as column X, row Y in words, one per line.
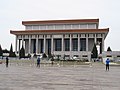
column 107, row 64
column 38, row 62
column 7, row 61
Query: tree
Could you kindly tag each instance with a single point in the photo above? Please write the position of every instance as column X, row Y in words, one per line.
column 5, row 51
column 109, row 49
column 1, row 52
column 94, row 52
column 44, row 55
column 11, row 53
column 51, row 56
column 22, row 53
column 29, row 55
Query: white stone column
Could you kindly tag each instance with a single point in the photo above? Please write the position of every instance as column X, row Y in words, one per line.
column 29, row 47
column 19, row 44
column 95, row 39
column 44, row 48
column 16, row 44
column 103, row 42
column 78, row 42
column 86, row 42
column 62, row 43
column 36, row 44
column 22, row 41
column 51, row 44
column 70, row 42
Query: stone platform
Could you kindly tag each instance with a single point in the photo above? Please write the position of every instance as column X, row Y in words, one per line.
column 68, row 77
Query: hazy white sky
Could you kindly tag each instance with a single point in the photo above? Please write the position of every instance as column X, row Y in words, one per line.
column 13, row 12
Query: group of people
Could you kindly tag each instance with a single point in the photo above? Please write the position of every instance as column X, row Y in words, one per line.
column 38, row 62
column 107, row 63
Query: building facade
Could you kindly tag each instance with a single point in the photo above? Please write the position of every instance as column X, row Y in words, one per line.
column 61, row 37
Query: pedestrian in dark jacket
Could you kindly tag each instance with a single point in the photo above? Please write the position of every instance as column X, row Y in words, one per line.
column 7, row 61
column 38, row 62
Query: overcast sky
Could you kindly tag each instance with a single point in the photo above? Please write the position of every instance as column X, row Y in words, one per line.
column 13, row 12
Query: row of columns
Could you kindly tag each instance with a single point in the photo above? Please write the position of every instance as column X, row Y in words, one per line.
column 29, row 46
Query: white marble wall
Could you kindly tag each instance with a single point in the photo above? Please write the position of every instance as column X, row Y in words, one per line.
column 61, row 26
column 28, row 40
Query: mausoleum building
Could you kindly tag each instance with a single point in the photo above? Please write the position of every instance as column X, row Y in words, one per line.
column 68, row 38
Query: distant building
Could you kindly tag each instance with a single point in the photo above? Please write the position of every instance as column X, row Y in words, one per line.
column 113, row 55
column 61, row 37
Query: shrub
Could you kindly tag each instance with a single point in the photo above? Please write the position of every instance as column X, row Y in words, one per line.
column 44, row 55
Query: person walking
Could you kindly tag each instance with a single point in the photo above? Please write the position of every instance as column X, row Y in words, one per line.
column 7, row 61
column 107, row 64
column 38, row 62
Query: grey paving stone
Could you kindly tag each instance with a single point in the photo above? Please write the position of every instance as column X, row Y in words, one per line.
column 47, row 77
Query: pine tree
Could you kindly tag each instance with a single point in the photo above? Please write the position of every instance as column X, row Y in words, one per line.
column 109, row 49
column 22, row 53
column 94, row 52
column 1, row 52
column 11, row 53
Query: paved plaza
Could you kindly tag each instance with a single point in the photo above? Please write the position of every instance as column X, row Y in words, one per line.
column 65, row 77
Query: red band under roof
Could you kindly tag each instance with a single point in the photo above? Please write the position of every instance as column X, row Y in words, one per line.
column 61, row 21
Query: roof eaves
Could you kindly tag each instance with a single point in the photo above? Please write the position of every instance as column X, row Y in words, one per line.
column 61, row 21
